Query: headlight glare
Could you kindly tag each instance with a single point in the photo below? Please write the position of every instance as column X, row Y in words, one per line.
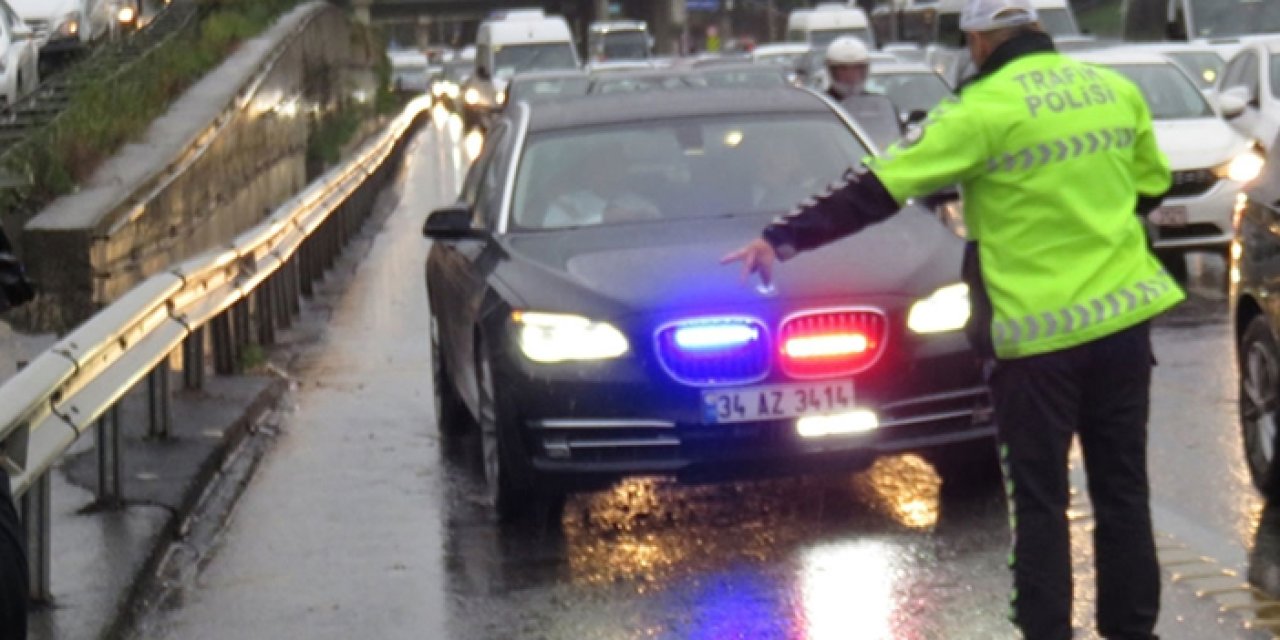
column 552, row 337
column 501, row 98
column 947, row 309
column 472, row 97
column 1245, row 167
column 70, row 25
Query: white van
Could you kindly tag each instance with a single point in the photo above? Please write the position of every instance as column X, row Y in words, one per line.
column 65, row 26
column 512, row 42
column 821, row 25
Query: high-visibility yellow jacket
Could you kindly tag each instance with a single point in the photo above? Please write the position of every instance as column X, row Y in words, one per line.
column 1053, row 158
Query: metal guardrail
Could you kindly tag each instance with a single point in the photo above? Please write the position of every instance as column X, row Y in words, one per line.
column 241, row 294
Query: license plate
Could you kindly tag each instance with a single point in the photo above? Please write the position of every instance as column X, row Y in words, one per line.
column 774, row 402
column 1170, row 216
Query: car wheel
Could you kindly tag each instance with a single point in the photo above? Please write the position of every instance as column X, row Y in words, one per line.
column 1260, row 403
column 508, row 491
column 452, row 416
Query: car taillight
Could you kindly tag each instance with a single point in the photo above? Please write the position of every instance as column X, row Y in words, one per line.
column 831, row 343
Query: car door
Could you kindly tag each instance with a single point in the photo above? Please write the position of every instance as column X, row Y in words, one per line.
column 457, row 273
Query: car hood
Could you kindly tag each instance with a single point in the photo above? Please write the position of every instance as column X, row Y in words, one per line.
column 51, row 10
column 1198, row 143
column 654, row 268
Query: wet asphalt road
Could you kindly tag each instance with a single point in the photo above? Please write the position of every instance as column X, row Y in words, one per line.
column 360, row 524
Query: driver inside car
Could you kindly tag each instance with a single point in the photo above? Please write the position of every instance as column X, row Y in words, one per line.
column 601, row 192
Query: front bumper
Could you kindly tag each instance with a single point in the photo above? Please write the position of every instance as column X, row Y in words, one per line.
column 61, row 47
column 1208, row 219
column 596, row 423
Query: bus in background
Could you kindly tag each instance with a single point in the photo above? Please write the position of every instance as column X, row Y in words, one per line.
column 820, row 26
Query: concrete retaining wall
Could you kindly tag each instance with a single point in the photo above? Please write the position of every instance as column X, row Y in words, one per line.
column 226, row 154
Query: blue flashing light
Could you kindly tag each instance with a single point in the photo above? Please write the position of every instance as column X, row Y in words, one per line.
column 715, row 336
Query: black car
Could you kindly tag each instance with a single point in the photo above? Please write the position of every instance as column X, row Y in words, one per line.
column 1254, row 276
column 581, row 317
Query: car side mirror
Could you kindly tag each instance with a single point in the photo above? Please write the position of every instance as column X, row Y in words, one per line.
column 452, row 223
column 1233, row 102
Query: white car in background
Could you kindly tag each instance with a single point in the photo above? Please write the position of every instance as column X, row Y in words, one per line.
column 1211, row 162
column 66, row 26
column 19, row 59
column 1251, row 81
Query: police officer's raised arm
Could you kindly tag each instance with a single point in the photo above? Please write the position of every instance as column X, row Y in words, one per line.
column 951, row 146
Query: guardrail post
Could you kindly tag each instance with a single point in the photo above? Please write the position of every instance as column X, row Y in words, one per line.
column 193, row 360
column 264, row 312
column 110, row 465
column 36, row 506
column 240, row 323
column 159, row 411
column 224, row 344
column 281, row 304
column 293, row 282
column 305, row 260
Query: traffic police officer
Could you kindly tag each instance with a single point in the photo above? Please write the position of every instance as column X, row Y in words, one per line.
column 1054, row 158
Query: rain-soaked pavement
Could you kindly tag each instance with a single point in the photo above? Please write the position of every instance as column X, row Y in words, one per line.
column 360, row 524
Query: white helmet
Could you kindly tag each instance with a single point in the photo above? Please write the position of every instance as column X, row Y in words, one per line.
column 847, row 50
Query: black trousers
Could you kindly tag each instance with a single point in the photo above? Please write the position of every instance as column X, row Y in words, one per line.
column 13, row 568
column 1099, row 391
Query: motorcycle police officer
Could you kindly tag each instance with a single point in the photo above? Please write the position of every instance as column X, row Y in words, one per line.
column 1055, row 159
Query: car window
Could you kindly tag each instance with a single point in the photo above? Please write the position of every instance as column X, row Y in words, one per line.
column 1204, row 67
column 910, row 91
column 1252, row 79
column 1274, row 63
column 763, row 78
column 1233, row 74
column 493, row 181
column 546, row 89
column 679, row 169
column 1169, row 93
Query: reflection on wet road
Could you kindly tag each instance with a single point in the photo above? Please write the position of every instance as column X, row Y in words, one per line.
column 361, row 524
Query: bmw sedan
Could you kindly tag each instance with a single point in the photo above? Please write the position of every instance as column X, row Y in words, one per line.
column 581, row 319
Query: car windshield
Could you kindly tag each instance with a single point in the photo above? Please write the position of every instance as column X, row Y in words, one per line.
column 911, row 91
column 636, row 84
column 822, row 38
column 679, row 169
column 546, row 89
column 1225, row 18
column 545, row 56
column 1058, row 22
column 626, row 45
column 1168, row 91
column 1204, row 67
column 785, row 60
column 762, row 78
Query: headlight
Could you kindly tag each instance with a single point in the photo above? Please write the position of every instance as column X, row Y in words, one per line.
column 501, row 98
column 437, row 89
column 126, row 15
column 451, row 90
column 1245, row 167
column 70, row 25
column 472, row 97
column 946, row 310
column 554, row 337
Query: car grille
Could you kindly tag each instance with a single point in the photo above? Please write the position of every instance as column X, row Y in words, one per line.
column 1191, row 183
column 1191, row 231
column 839, row 342
column 715, row 351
